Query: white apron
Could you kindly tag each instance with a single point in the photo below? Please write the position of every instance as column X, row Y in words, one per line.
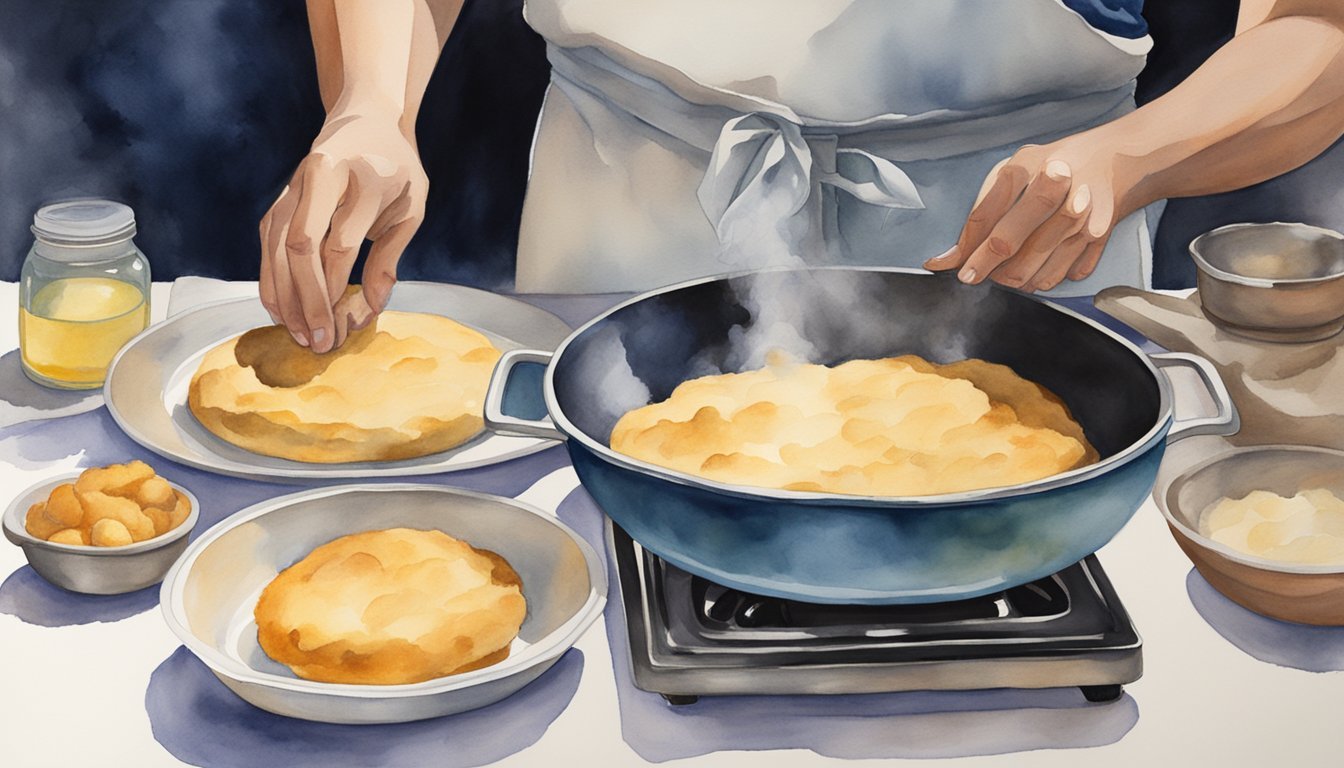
column 690, row 138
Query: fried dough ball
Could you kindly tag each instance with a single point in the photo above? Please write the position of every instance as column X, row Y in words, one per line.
column 180, row 510
column 37, row 523
column 167, row 519
column 110, row 533
column 155, row 492
column 161, row 518
column 63, row 506
column 70, row 536
column 109, row 507
column 100, row 506
column 115, row 479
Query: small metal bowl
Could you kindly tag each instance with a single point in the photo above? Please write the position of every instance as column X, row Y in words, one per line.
column 1307, row 594
column 209, row 597
column 1272, row 282
column 96, row 570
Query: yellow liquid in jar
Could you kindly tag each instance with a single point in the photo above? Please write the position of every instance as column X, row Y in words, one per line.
column 76, row 326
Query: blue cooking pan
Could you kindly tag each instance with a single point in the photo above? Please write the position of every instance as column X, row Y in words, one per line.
column 833, row 548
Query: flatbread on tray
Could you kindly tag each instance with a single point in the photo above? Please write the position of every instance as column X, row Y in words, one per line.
column 413, row 387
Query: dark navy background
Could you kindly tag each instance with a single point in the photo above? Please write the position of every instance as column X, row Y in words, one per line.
column 195, row 111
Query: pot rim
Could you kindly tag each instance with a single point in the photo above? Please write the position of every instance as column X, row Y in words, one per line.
column 1064, row 479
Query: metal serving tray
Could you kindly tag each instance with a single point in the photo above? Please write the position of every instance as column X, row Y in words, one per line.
column 146, row 389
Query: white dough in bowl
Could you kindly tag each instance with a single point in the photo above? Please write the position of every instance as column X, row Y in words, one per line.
column 1305, row 529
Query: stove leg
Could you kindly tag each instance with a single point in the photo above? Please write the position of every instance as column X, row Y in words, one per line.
column 1101, row 693
column 680, row 699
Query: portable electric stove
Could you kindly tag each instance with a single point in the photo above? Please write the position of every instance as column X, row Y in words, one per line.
column 690, row 637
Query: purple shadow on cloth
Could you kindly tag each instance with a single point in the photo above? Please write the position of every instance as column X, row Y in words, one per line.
column 23, row 400
column 34, row 445
column 201, row 722
column 1299, row 646
column 919, row 724
column 33, row 600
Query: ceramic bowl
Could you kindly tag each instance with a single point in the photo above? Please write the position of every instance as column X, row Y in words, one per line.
column 1307, row 594
column 209, row 597
column 1272, row 282
column 96, row 570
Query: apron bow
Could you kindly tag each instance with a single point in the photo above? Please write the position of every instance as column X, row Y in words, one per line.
column 761, row 174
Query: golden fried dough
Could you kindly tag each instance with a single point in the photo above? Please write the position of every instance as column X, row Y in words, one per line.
column 110, row 533
column 63, row 507
column 109, row 507
column 100, row 506
column 38, row 524
column 70, row 536
column 181, row 509
column 115, row 479
column 898, row 426
column 155, row 492
column 278, row 361
column 413, row 387
column 390, row 607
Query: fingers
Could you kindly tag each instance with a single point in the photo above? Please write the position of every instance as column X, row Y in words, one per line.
column 380, row 271
column 265, row 283
column 1078, row 256
column 1041, row 198
column 277, row 267
column 349, row 227
column 323, row 187
column 291, row 313
column 272, row 225
column 980, row 220
column 1083, row 267
column 1020, row 270
column 1053, row 271
column 1001, row 189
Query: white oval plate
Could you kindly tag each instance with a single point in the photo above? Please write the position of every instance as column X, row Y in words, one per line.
column 209, row 596
column 146, row 389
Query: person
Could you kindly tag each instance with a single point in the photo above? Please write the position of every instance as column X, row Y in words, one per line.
column 688, row 139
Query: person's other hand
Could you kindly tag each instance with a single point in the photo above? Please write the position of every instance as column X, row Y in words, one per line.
column 361, row 180
column 1042, row 215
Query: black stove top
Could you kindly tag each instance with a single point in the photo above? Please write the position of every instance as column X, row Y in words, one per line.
column 689, row 637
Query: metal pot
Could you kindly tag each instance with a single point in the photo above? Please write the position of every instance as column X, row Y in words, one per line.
column 1272, row 282
column 835, row 548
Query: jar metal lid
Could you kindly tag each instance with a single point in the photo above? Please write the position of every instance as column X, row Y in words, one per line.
column 84, row 223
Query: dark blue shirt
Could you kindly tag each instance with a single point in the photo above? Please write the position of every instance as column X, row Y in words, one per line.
column 1122, row 18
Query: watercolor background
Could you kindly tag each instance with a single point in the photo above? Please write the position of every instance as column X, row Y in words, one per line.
column 195, row 111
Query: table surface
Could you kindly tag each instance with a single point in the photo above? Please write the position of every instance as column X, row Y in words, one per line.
column 102, row 681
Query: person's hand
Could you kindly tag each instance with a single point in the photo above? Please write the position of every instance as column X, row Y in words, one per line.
column 1042, row 215
column 361, row 180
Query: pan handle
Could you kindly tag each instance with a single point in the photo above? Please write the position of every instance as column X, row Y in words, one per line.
column 504, row 387
column 1226, row 421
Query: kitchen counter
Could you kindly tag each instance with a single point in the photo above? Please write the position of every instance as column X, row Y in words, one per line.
column 102, row 681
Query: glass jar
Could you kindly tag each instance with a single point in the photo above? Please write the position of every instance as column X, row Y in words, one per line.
column 83, row 292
